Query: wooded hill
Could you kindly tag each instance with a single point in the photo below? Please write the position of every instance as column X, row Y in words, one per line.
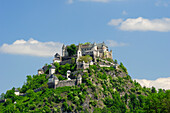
column 103, row 90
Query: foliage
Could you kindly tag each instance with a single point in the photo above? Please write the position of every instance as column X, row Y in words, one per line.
column 34, row 82
column 86, row 43
column 102, row 91
column 109, row 59
column 86, row 58
column 60, row 77
column 71, row 49
column 62, row 69
column 123, row 67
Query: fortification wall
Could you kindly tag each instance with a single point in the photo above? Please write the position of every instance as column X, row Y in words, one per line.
column 65, row 62
column 66, row 83
column 104, row 65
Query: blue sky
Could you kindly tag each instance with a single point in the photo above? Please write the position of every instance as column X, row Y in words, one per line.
column 138, row 32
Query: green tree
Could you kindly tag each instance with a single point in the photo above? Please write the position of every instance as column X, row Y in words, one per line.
column 71, row 49
column 2, row 96
column 123, row 67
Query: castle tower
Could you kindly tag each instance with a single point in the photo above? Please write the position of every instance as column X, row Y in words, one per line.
column 79, row 52
column 52, row 81
column 57, row 58
column 94, row 46
column 63, row 50
column 79, row 79
column 104, row 47
column 52, row 70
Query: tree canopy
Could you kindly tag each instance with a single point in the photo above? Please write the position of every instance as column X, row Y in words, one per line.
column 71, row 49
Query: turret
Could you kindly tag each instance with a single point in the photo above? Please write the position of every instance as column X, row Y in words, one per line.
column 63, row 50
column 104, row 47
column 79, row 52
column 52, row 70
column 79, row 79
column 52, row 81
column 57, row 58
column 94, row 46
column 103, row 43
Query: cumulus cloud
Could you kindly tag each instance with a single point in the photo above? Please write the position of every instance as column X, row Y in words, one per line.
column 32, row 47
column 141, row 24
column 163, row 83
column 112, row 43
column 115, row 22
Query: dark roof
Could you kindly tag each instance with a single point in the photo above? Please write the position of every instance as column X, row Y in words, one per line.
column 16, row 90
column 53, row 76
column 57, row 55
column 40, row 69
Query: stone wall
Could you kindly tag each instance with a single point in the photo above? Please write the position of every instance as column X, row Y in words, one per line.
column 65, row 62
column 66, row 83
column 104, row 65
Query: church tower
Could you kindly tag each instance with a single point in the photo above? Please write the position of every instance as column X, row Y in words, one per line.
column 79, row 52
column 94, row 46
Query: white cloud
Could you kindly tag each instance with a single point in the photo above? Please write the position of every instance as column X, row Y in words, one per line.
column 32, row 47
column 112, row 43
column 141, row 24
column 115, row 22
column 163, row 83
column 164, row 3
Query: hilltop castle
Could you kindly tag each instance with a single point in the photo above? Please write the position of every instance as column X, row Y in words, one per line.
column 99, row 50
column 95, row 51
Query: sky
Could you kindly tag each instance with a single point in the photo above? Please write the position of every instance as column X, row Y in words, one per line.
column 137, row 31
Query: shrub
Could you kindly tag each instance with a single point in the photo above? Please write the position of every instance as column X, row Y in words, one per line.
column 86, row 58
column 65, row 106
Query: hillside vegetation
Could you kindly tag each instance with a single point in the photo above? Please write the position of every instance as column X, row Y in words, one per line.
column 103, row 90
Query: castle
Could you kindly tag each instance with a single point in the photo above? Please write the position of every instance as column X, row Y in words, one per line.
column 99, row 50
column 96, row 51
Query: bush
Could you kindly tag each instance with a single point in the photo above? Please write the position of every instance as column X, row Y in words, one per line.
column 86, row 58
column 65, row 106
column 93, row 102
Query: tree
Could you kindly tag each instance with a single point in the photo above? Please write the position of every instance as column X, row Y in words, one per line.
column 123, row 67
column 2, row 96
column 115, row 61
column 153, row 90
column 71, row 49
